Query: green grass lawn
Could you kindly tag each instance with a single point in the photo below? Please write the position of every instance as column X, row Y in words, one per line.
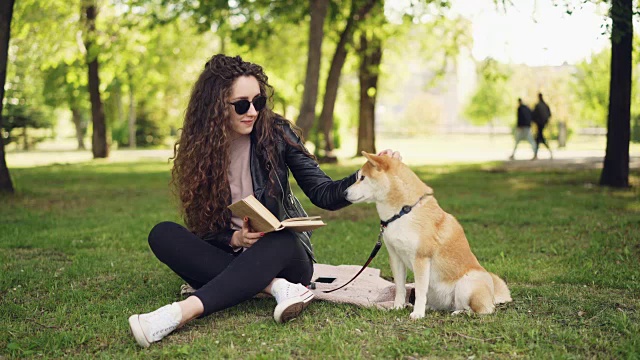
column 75, row 264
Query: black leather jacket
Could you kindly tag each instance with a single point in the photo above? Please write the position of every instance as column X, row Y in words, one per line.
column 318, row 186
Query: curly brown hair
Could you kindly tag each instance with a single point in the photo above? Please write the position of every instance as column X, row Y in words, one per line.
column 201, row 154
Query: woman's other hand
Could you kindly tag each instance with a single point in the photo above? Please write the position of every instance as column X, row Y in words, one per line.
column 245, row 237
column 393, row 154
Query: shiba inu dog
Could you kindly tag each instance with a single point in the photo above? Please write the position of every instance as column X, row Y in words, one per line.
column 421, row 236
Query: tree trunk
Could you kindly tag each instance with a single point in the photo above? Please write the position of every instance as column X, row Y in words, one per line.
column 118, row 105
column 615, row 172
column 6, row 13
column 81, row 129
column 333, row 80
column 25, row 139
column 99, row 144
column 307, row 117
column 370, row 59
column 562, row 134
column 132, row 117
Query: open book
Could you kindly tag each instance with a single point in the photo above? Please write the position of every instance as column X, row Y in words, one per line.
column 262, row 220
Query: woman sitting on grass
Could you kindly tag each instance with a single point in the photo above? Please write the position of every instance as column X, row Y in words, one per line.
column 233, row 145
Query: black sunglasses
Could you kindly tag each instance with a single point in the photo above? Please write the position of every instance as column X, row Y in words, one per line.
column 242, row 106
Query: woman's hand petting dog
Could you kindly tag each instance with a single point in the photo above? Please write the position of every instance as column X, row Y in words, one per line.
column 393, row 154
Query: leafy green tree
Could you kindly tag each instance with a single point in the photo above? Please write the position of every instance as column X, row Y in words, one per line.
column 45, row 42
column 24, row 83
column 359, row 9
column 591, row 87
column 423, row 31
column 65, row 86
column 39, row 33
column 143, row 63
column 22, row 111
column 149, row 66
column 493, row 100
column 266, row 32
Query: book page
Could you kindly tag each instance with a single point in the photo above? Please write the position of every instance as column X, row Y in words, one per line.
column 303, row 224
column 303, row 218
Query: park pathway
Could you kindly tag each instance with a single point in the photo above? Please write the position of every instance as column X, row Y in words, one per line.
column 569, row 159
column 582, row 152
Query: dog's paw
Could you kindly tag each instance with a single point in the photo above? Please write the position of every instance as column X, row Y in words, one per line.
column 398, row 306
column 416, row 315
column 458, row 312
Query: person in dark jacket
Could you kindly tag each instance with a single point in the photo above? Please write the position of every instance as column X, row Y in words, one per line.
column 541, row 116
column 523, row 127
column 233, row 145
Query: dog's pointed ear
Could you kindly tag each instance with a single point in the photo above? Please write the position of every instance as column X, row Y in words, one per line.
column 371, row 158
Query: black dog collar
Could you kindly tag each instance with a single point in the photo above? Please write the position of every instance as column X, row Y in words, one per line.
column 404, row 211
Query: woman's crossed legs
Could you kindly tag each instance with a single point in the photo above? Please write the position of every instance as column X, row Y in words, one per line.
column 276, row 264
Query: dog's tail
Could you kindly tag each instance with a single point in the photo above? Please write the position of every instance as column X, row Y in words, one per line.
column 501, row 292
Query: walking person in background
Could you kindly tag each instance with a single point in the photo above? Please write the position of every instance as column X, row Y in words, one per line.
column 541, row 115
column 523, row 128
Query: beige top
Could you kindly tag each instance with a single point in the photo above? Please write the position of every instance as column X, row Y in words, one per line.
column 239, row 174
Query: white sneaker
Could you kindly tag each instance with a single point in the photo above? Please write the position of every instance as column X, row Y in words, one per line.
column 291, row 298
column 153, row 326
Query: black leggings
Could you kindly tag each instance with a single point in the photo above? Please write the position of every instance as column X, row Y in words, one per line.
column 223, row 279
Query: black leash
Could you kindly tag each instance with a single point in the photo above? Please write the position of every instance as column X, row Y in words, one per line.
column 383, row 225
column 373, row 254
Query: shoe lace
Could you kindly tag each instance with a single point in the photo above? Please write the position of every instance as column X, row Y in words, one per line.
column 161, row 331
column 292, row 290
column 161, row 317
